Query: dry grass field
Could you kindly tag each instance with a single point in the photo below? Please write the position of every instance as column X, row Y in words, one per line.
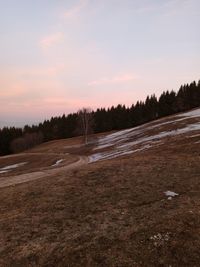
column 110, row 210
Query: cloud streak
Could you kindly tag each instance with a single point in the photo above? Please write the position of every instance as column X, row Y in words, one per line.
column 75, row 10
column 123, row 78
column 51, row 40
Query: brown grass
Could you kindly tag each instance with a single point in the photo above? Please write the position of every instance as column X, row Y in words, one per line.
column 112, row 213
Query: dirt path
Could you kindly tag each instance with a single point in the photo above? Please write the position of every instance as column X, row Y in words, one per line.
column 22, row 178
column 33, row 154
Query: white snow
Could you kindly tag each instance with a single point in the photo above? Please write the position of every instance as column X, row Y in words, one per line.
column 14, row 166
column 107, row 155
column 114, row 153
column 194, row 135
column 165, row 123
column 184, row 116
column 57, row 162
column 102, row 146
column 170, row 194
column 127, row 141
column 4, row 171
column 156, row 137
column 192, row 114
column 111, row 139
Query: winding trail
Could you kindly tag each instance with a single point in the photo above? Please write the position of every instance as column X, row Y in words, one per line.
column 22, row 178
column 31, row 154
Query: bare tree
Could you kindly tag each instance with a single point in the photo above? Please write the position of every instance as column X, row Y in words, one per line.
column 85, row 122
column 29, row 140
column 18, row 145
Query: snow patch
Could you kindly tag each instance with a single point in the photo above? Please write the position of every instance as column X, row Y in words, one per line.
column 192, row 114
column 107, row 155
column 4, row 171
column 14, row 166
column 194, row 135
column 170, row 194
column 57, row 162
column 103, row 146
column 123, row 142
column 156, row 137
column 165, row 123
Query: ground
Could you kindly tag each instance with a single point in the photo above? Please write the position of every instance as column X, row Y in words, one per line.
column 111, row 212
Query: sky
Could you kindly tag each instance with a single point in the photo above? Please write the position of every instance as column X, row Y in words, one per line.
column 57, row 56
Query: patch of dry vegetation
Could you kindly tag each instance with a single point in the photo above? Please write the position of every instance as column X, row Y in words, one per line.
column 111, row 213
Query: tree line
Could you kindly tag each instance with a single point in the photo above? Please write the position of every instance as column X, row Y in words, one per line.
column 14, row 140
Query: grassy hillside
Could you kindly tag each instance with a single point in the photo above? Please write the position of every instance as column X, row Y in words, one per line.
column 113, row 211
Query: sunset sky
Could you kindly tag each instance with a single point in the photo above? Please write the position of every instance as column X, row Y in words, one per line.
column 57, row 56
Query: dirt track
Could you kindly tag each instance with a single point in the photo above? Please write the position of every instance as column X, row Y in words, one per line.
column 18, row 179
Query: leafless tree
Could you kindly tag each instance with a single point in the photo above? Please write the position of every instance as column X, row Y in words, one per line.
column 29, row 140
column 18, row 145
column 85, row 122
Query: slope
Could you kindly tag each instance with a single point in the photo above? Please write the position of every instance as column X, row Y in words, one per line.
column 123, row 209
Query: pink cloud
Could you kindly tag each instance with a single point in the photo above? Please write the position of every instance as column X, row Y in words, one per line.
column 51, row 40
column 74, row 11
column 24, row 87
column 11, row 85
column 114, row 80
column 14, row 90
